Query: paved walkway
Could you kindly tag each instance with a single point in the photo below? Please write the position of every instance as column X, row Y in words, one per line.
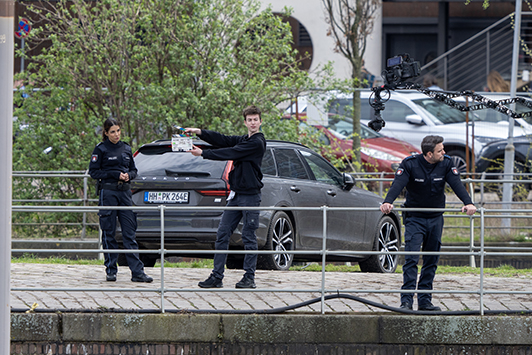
column 275, row 289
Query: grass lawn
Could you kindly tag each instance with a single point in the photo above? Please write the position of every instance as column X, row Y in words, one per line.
column 501, row 271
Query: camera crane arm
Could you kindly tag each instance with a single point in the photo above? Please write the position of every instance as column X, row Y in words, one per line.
column 404, row 68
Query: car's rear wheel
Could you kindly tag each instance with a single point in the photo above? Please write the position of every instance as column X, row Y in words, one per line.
column 281, row 237
column 386, row 239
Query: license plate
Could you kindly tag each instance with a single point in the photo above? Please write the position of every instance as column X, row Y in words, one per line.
column 165, row 197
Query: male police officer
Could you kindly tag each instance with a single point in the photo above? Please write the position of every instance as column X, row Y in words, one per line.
column 424, row 176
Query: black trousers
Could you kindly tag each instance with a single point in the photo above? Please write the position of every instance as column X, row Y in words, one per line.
column 128, row 222
column 421, row 234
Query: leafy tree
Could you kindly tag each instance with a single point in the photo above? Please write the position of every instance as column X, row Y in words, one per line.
column 351, row 21
column 150, row 64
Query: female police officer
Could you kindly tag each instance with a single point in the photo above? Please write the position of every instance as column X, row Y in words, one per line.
column 113, row 166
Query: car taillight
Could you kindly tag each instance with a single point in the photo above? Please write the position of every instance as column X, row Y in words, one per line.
column 223, row 193
column 225, row 175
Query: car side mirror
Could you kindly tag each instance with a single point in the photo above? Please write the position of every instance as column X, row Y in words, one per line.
column 349, row 181
column 415, row 119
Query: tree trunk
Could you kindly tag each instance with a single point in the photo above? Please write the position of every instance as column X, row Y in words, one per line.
column 356, row 127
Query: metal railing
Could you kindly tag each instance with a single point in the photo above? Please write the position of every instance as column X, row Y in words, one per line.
column 75, row 174
column 468, row 64
column 381, row 178
column 479, row 251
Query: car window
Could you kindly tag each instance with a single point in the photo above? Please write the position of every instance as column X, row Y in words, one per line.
column 341, row 125
column 344, row 107
column 268, row 164
column 396, row 111
column 444, row 113
column 496, row 116
column 178, row 164
column 322, row 170
column 367, row 133
column 344, row 127
column 340, row 107
column 289, row 165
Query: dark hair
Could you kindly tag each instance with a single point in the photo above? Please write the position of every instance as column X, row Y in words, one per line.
column 252, row 110
column 429, row 143
column 110, row 122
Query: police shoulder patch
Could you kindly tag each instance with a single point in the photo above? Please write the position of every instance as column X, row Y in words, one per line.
column 455, row 170
column 94, row 158
column 399, row 171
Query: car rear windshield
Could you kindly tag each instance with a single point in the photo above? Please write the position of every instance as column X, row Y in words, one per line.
column 178, row 164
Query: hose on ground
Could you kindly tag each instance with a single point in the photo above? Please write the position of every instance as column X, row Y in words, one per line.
column 269, row 311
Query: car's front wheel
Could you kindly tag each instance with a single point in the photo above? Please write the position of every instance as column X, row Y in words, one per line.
column 281, row 237
column 386, row 239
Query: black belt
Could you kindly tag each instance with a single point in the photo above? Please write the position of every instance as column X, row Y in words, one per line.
column 121, row 186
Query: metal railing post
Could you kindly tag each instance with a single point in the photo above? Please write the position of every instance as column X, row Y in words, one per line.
column 381, row 185
column 471, row 241
column 482, row 261
column 161, row 208
column 323, row 258
column 85, row 195
column 482, row 177
column 471, row 227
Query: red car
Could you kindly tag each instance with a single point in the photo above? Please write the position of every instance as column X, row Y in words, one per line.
column 378, row 153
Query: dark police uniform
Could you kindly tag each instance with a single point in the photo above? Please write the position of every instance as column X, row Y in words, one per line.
column 425, row 188
column 107, row 162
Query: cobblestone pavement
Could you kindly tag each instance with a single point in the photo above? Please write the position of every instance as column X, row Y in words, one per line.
column 84, row 287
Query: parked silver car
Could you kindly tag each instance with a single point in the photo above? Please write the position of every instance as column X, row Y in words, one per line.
column 410, row 116
column 294, row 176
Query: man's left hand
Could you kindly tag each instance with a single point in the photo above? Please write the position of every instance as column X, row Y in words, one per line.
column 196, row 151
column 469, row 209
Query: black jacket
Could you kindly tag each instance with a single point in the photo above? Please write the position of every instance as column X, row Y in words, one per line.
column 246, row 154
column 109, row 160
column 425, row 184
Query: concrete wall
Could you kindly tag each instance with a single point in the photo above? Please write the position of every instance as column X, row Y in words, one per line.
column 111, row 333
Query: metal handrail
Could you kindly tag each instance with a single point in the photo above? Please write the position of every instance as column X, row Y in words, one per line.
column 480, row 251
column 380, row 179
column 471, row 39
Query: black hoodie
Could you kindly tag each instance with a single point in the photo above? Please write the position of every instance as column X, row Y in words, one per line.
column 245, row 152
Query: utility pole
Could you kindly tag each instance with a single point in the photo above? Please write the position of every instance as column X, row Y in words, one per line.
column 509, row 151
column 7, row 52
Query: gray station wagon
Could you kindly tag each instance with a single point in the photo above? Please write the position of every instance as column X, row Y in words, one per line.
column 294, row 176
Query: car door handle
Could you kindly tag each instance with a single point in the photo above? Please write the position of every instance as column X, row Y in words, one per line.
column 331, row 192
column 294, row 188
